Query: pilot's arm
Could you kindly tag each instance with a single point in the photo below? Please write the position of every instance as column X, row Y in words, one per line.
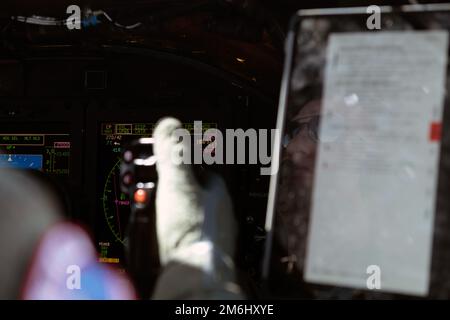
column 195, row 225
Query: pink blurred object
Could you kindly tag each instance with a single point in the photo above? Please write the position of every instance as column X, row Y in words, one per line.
column 65, row 267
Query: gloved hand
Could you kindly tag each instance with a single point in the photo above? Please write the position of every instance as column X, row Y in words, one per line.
column 195, row 226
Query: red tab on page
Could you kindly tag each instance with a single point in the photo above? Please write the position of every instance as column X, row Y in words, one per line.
column 435, row 131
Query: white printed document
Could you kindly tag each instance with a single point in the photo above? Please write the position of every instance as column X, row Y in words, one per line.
column 375, row 184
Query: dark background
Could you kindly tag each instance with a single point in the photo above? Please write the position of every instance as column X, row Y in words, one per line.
column 185, row 57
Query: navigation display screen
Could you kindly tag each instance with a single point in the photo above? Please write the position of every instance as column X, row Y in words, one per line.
column 46, row 150
column 113, row 206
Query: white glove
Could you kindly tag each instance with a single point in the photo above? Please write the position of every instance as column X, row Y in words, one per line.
column 195, row 226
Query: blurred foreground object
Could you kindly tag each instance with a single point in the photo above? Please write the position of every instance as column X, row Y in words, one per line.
column 26, row 211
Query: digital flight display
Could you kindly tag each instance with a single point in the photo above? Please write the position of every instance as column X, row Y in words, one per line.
column 46, row 151
column 113, row 205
